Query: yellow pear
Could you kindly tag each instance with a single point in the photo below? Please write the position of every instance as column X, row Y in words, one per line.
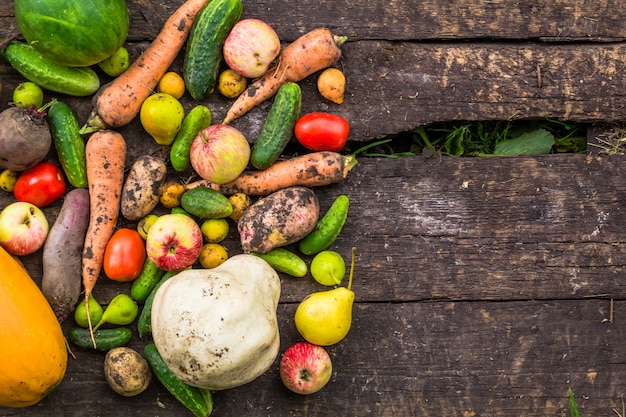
column 324, row 318
column 162, row 115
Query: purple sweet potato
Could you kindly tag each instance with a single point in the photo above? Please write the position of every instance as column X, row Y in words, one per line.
column 62, row 254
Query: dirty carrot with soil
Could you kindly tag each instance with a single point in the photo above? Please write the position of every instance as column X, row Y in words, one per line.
column 117, row 103
column 313, row 51
column 106, row 154
column 311, row 170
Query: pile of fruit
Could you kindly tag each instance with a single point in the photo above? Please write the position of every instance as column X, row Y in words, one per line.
column 175, row 260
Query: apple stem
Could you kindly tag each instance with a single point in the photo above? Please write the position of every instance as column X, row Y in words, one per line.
column 351, row 268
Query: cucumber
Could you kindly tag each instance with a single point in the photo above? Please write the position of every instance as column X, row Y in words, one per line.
column 285, row 261
column 198, row 401
column 203, row 55
column 197, row 119
column 73, row 81
column 144, row 322
column 206, row 203
column 327, row 228
column 278, row 127
column 68, row 142
column 146, row 281
column 106, row 339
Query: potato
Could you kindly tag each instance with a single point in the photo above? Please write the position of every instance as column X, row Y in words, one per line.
column 279, row 219
column 126, row 371
column 140, row 193
column 25, row 138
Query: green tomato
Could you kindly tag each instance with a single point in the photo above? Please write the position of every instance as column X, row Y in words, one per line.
column 328, row 268
column 116, row 63
column 28, row 94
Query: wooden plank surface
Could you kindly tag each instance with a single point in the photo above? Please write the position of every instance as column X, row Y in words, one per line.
column 484, row 286
column 397, row 86
column 481, row 286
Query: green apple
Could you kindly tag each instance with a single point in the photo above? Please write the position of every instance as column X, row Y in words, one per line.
column 28, row 94
column 116, row 63
column 328, row 268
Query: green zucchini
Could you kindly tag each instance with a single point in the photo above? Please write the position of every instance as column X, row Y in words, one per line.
column 283, row 260
column 203, row 55
column 144, row 322
column 73, row 81
column 205, row 203
column 278, row 127
column 146, row 281
column 106, row 339
column 327, row 228
column 197, row 119
column 68, row 142
column 198, row 401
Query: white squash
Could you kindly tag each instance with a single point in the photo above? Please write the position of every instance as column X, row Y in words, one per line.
column 216, row 328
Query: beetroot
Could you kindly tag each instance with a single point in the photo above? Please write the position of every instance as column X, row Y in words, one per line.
column 24, row 138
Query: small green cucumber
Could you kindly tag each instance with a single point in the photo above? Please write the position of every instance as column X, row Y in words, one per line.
column 73, row 81
column 179, row 210
column 206, row 203
column 68, row 142
column 144, row 322
column 284, row 260
column 198, row 401
column 327, row 228
column 146, row 281
column 203, row 55
column 197, row 119
column 106, row 339
column 278, row 128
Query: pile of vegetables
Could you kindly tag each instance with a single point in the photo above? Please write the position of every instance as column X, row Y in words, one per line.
column 270, row 198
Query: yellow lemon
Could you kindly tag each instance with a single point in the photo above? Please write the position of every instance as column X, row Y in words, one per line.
column 230, row 84
column 212, row 255
column 173, row 84
column 214, row 230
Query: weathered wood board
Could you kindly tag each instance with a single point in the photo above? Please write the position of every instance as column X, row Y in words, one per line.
column 396, row 83
column 483, row 286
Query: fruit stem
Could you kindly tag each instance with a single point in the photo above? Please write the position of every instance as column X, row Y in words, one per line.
column 351, row 268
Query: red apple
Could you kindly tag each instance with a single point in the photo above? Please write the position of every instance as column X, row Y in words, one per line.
column 250, row 47
column 219, row 153
column 173, row 242
column 305, row 368
column 23, row 228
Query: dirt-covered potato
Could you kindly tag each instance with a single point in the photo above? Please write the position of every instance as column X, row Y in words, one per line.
column 126, row 371
column 140, row 193
column 279, row 219
column 24, row 138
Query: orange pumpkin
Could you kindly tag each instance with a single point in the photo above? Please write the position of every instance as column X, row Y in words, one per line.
column 33, row 354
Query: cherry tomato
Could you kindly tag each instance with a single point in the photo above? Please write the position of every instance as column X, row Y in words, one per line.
column 40, row 185
column 320, row 131
column 124, row 255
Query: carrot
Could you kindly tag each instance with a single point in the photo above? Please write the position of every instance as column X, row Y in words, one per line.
column 117, row 103
column 313, row 51
column 106, row 154
column 311, row 170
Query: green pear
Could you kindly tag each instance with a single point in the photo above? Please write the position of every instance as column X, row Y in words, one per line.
column 325, row 317
column 122, row 310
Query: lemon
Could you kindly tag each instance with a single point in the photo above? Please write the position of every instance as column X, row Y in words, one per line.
column 173, row 84
column 230, row 84
column 161, row 116
column 214, row 230
column 212, row 255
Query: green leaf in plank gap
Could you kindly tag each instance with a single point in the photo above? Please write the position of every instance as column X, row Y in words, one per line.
column 537, row 142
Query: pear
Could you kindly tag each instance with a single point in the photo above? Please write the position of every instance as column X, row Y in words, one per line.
column 324, row 318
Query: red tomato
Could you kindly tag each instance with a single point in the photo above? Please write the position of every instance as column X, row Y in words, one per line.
column 320, row 131
column 40, row 185
column 124, row 255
